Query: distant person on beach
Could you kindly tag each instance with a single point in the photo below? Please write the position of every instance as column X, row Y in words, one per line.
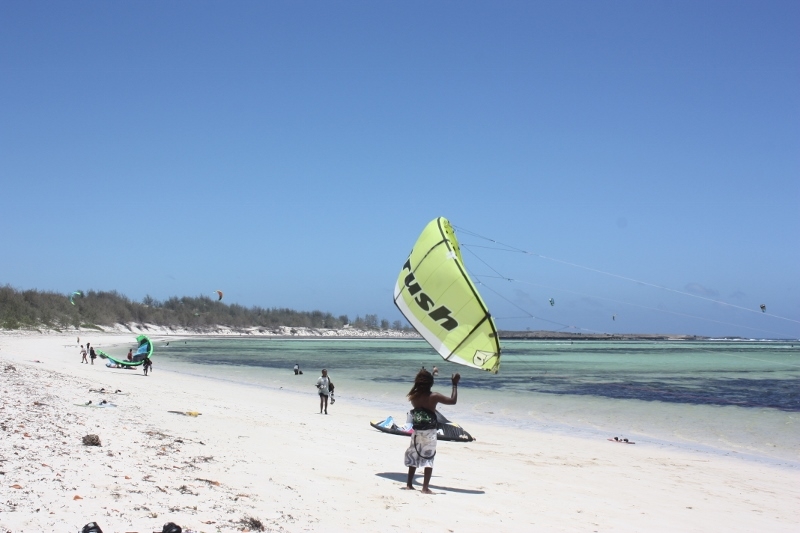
column 323, row 387
column 92, row 355
column 296, row 369
column 147, row 365
column 422, row 449
column 83, row 355
column 130, row 355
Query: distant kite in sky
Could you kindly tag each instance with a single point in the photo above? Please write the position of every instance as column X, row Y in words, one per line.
column 613, row 317
column 219, row 294
column 552, row 302
column 73, row 295
column 763, row 308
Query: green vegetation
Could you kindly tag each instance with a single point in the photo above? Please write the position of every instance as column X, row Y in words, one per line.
column 33, row 309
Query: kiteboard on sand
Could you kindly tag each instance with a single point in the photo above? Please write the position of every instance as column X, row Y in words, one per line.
column 446, row 430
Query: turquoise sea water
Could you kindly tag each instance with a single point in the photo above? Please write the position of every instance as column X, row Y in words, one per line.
column 724, row 397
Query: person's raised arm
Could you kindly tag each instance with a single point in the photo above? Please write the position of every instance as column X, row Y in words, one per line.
column 441, row 398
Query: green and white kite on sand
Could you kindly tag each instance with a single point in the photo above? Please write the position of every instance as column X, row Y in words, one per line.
column 438, row 298
column 144, row 351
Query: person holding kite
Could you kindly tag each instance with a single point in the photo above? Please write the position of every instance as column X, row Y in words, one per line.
column 422, row 449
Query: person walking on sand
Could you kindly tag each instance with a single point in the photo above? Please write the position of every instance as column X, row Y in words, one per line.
column 296, row 368
column 147, row 365
column 92, row 355
column 83, row 355
column 323, row 387
column 422, row 449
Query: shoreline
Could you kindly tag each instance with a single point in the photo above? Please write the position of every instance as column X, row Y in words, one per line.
column 273, row 458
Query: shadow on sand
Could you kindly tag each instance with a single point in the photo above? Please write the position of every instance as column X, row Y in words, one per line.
column 402, row 476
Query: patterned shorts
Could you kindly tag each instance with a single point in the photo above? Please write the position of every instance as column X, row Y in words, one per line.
column 421, row 451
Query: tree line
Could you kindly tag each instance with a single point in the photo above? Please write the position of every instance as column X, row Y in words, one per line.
column 22, row 309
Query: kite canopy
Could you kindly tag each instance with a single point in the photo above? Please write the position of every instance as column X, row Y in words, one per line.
column 73, row 295
column 144, row 351
column 763, row 308
column 219, row 294
column 552, row 302
column 436, row 295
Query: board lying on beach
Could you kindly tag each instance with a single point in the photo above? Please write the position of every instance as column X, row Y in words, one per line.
column 447, row 430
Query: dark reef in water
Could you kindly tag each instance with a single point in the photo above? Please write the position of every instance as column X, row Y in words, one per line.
column 571, row 336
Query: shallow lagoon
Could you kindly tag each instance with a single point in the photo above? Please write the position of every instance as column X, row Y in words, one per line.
column 725, row 397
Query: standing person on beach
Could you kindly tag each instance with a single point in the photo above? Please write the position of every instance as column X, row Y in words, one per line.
column 92, row 355
column 323, row 387
column 83, row 355
column 147, row 365
column 421, row 451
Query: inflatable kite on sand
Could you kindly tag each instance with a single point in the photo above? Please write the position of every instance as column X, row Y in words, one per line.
column 445, row 430
column 144, row 351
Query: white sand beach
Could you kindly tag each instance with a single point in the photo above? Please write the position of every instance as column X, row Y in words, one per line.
column 264, row 453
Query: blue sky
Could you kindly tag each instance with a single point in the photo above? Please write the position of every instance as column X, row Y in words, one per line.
column 289, row 153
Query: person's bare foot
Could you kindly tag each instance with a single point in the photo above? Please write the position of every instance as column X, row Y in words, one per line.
column 408, row 487
column 427, row 491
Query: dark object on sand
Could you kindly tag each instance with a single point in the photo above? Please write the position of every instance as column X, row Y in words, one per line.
column 171, row 527
column 91, row 527
column 252, row 523
column 621, row 441
column 91, row 440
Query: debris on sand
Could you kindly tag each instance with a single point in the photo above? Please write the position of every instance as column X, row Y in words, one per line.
column 91, row 440
column 252, row 523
